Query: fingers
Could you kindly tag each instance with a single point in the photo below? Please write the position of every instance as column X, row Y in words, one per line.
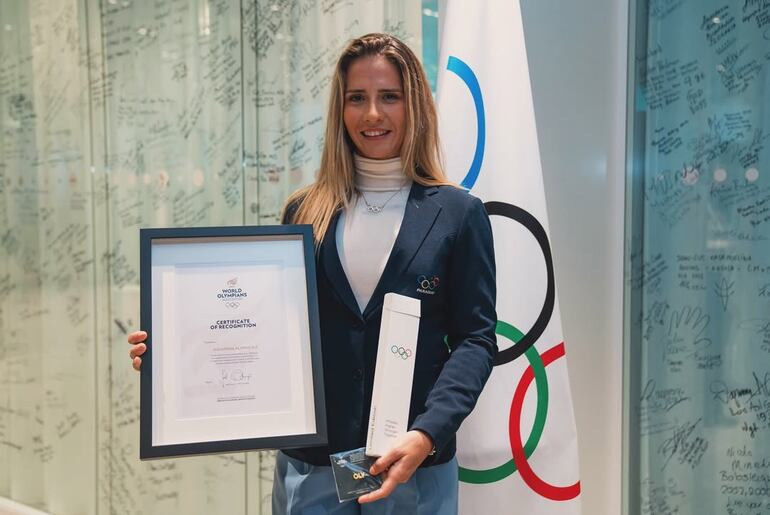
column 395, row 470
column 382, row 492
column 137, row 337
column 138, row 347
column 137, row 350
column 398, row 464
column 384, row 462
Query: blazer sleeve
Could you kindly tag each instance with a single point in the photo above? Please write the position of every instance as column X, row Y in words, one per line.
column 472, row 323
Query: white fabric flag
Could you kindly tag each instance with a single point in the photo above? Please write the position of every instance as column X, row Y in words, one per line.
column 518, row 450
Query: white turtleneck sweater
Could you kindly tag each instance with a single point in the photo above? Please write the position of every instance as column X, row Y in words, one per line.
column 364, row 239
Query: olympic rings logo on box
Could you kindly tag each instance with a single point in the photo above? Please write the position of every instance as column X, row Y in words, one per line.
column 401, row 351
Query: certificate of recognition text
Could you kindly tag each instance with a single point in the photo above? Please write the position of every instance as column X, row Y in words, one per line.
column 232, row 340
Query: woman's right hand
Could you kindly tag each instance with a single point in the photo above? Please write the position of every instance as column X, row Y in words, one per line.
column 138, row 347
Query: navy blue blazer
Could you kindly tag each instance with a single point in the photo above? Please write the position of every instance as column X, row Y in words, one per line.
column 443, row 255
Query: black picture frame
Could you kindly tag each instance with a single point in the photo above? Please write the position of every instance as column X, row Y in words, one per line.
column 154, row 236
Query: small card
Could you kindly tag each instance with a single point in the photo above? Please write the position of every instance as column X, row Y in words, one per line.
column 351, row 474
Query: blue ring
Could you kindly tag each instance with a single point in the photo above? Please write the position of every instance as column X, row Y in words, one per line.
column 462, row 70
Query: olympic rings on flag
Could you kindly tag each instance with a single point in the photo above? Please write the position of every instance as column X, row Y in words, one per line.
column 494, row 474
column 521, row 454
column 530, row 223
column 523, row 343
column 462, row 70
column 547, row 490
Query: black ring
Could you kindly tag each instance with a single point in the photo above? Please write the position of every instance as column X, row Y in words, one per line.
column 538, row 328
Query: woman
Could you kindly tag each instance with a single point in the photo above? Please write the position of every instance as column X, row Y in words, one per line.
column 386, row 219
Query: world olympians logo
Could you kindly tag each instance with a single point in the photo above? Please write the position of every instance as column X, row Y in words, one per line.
column 401, row 352
column 427, row 285
column 230, row 295
column 523, row 341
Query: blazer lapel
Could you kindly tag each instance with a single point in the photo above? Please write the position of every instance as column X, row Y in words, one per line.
column 419, row 216
column 333, row 268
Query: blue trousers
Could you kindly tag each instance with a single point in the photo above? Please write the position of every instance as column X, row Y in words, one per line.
column 302, row 489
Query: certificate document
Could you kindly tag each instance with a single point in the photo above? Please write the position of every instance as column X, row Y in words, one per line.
column 234, row 356
column 232, row 340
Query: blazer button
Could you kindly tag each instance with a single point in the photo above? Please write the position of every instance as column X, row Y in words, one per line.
column 358, row 374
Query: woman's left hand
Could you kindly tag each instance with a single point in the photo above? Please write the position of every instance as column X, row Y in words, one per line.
column 399, row 463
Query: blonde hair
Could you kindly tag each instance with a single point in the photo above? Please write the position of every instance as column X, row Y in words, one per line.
column 420, row 152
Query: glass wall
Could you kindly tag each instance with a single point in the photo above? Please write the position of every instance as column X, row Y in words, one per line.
column 698, row 259
column 116, row 115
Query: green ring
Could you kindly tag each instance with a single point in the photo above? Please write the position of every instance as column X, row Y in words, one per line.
column 472, row 476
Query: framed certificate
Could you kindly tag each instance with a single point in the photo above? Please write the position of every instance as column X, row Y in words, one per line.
column 233, row 359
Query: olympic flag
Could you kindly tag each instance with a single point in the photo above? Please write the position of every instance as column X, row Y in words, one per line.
column 518, row 450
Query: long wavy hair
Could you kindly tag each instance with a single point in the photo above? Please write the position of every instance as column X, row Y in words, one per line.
column 420, row 151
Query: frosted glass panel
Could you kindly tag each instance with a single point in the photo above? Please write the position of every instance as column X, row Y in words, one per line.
column 116, row 115
column 173, row 142
column 48, row 256
column 699, row 259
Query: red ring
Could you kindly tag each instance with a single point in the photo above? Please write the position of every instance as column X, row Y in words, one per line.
column 554, row 493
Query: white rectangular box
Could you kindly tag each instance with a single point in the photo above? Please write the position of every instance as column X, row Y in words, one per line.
column 393, row 375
